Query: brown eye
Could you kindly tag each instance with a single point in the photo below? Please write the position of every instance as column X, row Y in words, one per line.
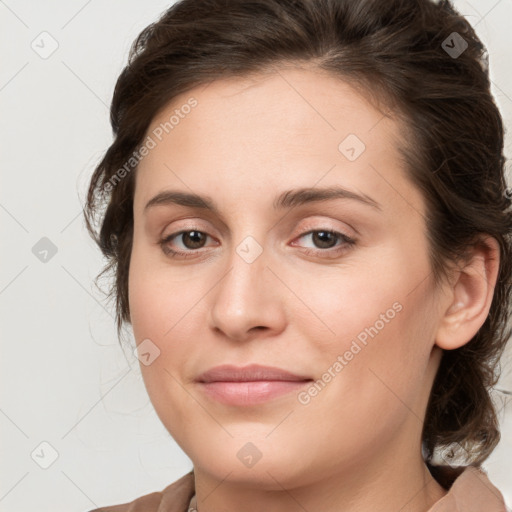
column 191, row 240
column 194, row 240
column 325, row 241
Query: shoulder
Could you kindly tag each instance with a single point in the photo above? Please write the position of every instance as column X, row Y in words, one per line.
column 174, row 498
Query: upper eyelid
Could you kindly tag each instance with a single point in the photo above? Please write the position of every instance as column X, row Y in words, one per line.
column 311, row 225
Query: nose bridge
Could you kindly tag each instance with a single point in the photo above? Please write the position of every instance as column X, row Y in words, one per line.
column 245, row 296
column 250, row 249
column 246, row 279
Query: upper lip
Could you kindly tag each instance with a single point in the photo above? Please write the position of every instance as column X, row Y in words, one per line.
column 253, row 372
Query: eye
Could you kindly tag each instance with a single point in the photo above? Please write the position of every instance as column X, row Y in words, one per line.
column 326, row 239
column 194, row 239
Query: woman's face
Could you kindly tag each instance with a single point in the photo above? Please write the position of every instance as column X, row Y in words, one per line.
column 263, row 282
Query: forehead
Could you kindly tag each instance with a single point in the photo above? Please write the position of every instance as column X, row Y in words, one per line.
column 266, row 133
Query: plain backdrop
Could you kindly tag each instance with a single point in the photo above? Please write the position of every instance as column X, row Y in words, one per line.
column 78, row 430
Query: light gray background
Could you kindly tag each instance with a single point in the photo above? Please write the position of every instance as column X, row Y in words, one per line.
column 65, row 380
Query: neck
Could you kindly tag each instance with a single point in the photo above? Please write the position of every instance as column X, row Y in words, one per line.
column 400, row 483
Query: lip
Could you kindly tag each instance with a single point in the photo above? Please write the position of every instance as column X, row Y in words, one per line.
column 249, row 385
column 252, row 372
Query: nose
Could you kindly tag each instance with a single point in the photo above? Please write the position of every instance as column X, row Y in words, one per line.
column 248, row 299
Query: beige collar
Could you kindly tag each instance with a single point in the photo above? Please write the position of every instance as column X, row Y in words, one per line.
column 472, row 491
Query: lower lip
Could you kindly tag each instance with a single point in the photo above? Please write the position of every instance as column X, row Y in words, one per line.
column 251, row 392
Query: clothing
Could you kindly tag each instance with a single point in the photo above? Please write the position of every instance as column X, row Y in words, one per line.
column 469, row 491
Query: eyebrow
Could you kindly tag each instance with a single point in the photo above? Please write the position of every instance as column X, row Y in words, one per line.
column 287, row 199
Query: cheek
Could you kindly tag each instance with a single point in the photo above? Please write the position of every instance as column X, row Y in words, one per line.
column 368, row 300
column 369, row 385
column 160, row 299
column 377, row 348
column 165, row 308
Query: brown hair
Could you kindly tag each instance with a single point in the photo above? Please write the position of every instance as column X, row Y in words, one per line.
column 400, row 51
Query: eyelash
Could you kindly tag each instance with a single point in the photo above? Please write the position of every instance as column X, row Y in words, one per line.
column 347, row 243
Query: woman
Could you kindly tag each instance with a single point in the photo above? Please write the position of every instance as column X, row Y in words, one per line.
column 307, row 220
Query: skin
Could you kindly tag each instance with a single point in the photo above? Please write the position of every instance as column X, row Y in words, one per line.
column 356, row 445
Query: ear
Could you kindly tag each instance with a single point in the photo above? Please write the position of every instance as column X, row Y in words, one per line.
column 470, row 296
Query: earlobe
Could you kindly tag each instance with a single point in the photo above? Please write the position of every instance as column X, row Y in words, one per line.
column 470, row 296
